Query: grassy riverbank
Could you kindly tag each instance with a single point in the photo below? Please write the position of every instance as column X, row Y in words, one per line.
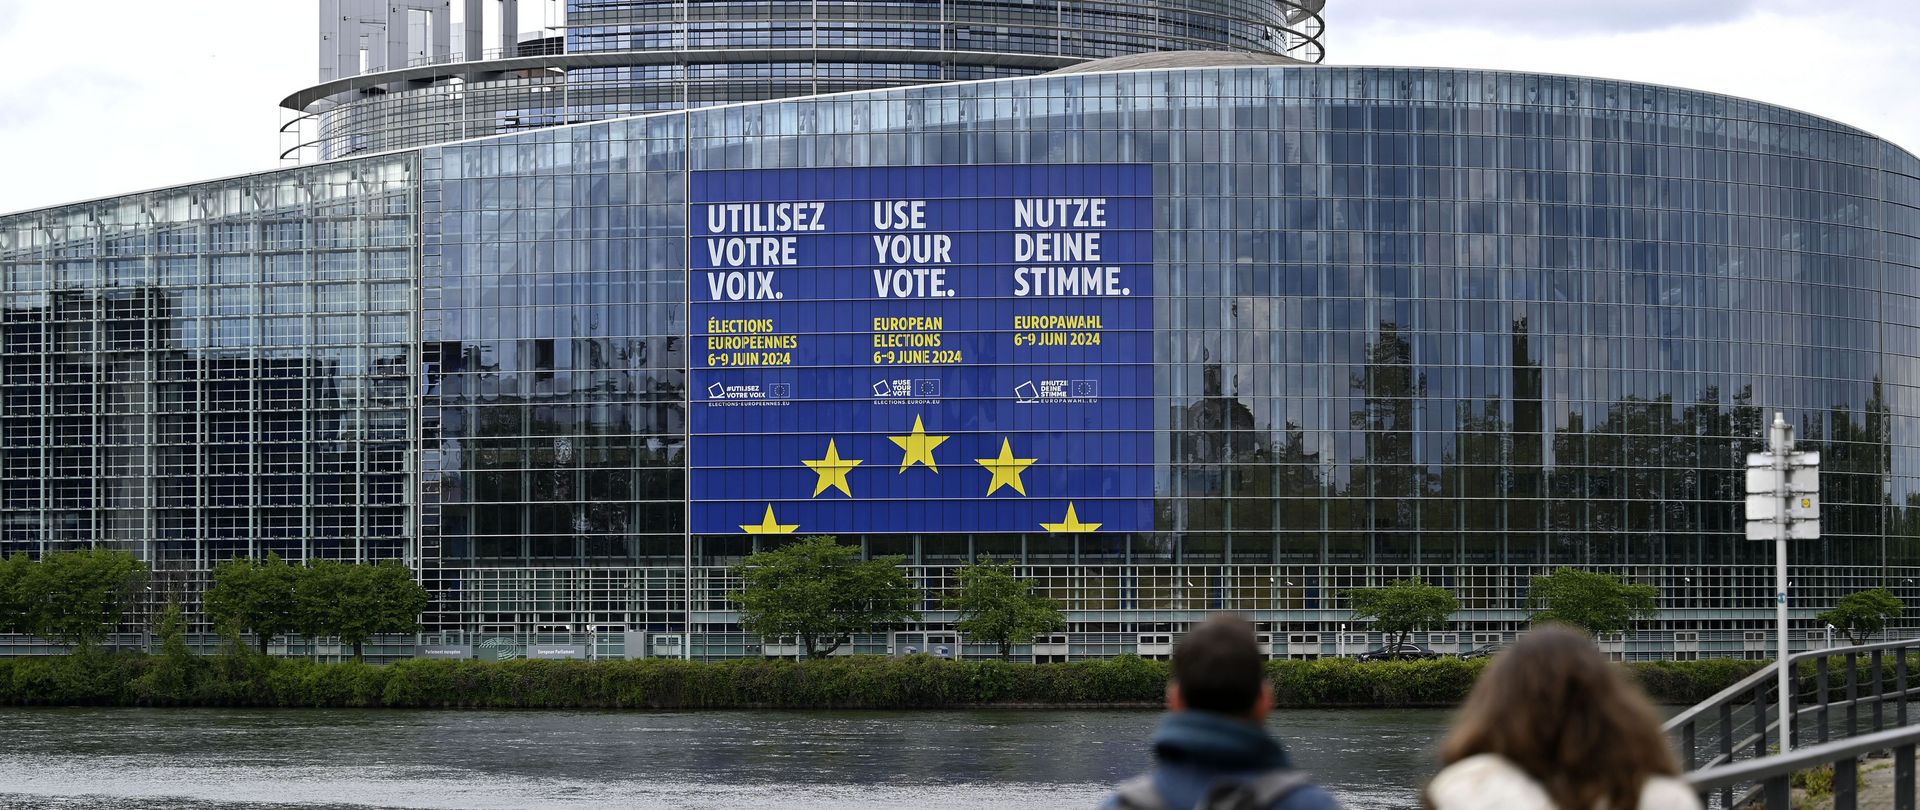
column 917, row 682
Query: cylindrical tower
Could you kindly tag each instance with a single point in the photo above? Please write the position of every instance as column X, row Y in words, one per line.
column 406, row 73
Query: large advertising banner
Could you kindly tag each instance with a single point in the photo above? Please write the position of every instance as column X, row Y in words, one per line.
column 924, row 349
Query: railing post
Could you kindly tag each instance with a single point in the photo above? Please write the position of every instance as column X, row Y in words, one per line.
column 1778, row 792
column 1853, row 694
column 1686, row 746
column 1760, row 718
column 1821, row 683
column 1790, row 717
column 1900, row 683
column 1846, row 776
column 1726, row 748
column 1903, row 777
column 1879, row 721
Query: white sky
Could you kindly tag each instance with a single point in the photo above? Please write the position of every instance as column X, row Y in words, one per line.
column 103, row 97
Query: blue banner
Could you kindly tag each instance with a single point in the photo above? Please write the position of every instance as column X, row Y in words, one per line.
column 927, row 349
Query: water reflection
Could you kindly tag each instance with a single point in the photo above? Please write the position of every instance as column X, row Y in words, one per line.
column 227, row 760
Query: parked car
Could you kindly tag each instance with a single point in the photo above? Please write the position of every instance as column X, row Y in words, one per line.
column 1482, row 651
column 1402, row 652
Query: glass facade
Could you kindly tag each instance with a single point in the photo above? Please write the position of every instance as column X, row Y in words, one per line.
column 638, row 56
column 1084, row 28
column 1467, row 326
column 213, row 371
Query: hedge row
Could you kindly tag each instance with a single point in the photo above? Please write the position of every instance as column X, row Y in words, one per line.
column 916, row 682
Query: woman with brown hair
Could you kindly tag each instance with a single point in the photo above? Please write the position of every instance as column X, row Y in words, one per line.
column 1553, row 726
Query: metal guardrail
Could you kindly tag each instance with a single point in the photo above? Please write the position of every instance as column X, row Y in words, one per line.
column 1773, row 775
column 1728, row 743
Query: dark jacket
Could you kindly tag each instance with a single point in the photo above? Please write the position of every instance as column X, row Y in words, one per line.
column 1193, row 750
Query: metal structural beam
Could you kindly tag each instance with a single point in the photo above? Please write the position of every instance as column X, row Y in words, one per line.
column 509, row 29
column 364, row 37
column 571, row 61
column 473, row 39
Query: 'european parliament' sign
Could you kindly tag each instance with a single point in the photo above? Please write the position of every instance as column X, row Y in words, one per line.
column 927, row 349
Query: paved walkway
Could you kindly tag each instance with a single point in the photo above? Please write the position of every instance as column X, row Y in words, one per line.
column 1876, row 787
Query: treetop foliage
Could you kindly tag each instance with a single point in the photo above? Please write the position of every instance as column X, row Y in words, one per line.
column 253, row 596
column 77, row 597
column 357, row 602
column 1592, row 601
column 1863, row 614
column 821, row 592
column 998, row 607
column 1403, row 607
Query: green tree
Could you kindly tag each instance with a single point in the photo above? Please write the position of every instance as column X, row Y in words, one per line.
column 1402, row 607
column 253, row 596
column 996, row 606
column 357, row 602
column 819, row 591
column 1592, row 601
column 78, row 597
column 1861, row 615
column 316, row 592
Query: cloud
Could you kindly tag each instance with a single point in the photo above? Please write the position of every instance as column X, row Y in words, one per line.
column 1843, row 63
column 20, row 110
column 158, row 98
column 28, row 104
column 1560, row 16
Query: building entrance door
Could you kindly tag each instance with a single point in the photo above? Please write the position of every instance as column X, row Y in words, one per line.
column 606, row 642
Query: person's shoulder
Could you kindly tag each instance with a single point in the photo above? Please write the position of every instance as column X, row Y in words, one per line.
column 1668, row 793
column 1118, row 798
column 1486, row 780
column 1307, row 797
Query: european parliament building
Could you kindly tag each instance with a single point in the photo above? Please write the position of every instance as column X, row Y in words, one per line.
column 1137, row 294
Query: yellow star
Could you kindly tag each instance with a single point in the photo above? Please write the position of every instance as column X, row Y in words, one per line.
column 833, row 470
column 1006, row 469
column 919, row 447
column 769, row 525
column 1070, row 524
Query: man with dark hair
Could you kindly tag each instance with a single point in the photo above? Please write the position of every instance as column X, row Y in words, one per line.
column 1212, row 752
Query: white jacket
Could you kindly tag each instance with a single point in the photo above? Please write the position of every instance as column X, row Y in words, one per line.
column 1490, row 782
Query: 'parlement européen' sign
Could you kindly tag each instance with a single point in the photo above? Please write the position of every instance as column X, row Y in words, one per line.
column 926, row 349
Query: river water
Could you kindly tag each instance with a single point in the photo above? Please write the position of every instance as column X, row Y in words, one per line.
column 218, row 759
